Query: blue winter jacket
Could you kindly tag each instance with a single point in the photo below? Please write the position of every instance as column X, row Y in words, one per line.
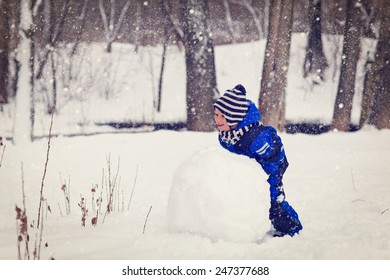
column 260, row 142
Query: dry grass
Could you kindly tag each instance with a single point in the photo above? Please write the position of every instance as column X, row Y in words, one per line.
column 22, row 225
column 115, row 201
column 65, row 188
column 84, row 210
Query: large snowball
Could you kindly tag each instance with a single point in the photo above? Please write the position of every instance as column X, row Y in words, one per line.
column 220, row 195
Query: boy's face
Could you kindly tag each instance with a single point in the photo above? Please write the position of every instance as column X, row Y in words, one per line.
column 220, row 120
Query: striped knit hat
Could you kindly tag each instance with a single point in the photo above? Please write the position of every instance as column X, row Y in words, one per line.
column 233, row 105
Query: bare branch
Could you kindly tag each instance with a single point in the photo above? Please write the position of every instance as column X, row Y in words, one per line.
column 84, row 10
column 255, row 16
column 58, row 29
column 35, row 5
column 229, row 20
column 111, row 29
column 168, row 15
column 104, row 18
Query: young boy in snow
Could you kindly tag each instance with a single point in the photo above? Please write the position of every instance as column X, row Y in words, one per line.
column 241, row 132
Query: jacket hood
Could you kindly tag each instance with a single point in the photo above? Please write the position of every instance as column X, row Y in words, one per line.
column 252, row 116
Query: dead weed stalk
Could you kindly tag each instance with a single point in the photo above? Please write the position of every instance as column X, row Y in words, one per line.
column 65, row 188
column 22, row 225
column 44, row 171
column 2, row 150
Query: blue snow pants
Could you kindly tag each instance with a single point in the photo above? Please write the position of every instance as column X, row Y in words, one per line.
column 283, row 217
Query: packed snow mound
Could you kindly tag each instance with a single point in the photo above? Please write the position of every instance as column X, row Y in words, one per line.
column 219, row 195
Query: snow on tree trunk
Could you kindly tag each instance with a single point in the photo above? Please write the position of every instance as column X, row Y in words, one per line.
column 272, row 101
column 350, row 56
column 24, row 114
column 200, row 67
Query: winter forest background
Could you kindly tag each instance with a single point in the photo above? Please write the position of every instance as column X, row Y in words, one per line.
column 91, row 79
column 60, row 49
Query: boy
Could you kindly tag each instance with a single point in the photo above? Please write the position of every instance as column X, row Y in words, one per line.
column 241, row 132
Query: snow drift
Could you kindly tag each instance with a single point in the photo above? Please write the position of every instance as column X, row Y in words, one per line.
column 219, row 195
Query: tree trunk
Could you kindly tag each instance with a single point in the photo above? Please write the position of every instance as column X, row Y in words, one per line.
column 381, row 106
column 160, row 79
column 315, row 61
column 373, row 14
column 53, row 31
column 24, row 110
column 13, row 42
column 53, row 105
column 111, row 28
column 200, row 67
column 276, row 61
column 4, row 50
column 368, row 94
column 350, row 56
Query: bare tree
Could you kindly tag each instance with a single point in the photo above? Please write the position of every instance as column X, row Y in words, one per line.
column 54, row 29
column 315, row 61
column 171, row 21
column 350, row 56
column 381, row 86
column 111, row 28
column 229, row 20
column 79, row 26
column 256, row 18
column 24, row 109
column 13, row 41
column 4, row 50
column 161, row 77
column 372, row 14
column 200, row 67
column 249, row 5
column 274, row 77
column 81, row 19
column 170, row 30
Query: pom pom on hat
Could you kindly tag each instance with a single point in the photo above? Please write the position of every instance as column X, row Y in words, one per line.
column 233, row 105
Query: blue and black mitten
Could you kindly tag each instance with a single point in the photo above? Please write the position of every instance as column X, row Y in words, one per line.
column 284, row 219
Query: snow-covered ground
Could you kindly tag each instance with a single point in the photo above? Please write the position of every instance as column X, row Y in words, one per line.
column 338, row 183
